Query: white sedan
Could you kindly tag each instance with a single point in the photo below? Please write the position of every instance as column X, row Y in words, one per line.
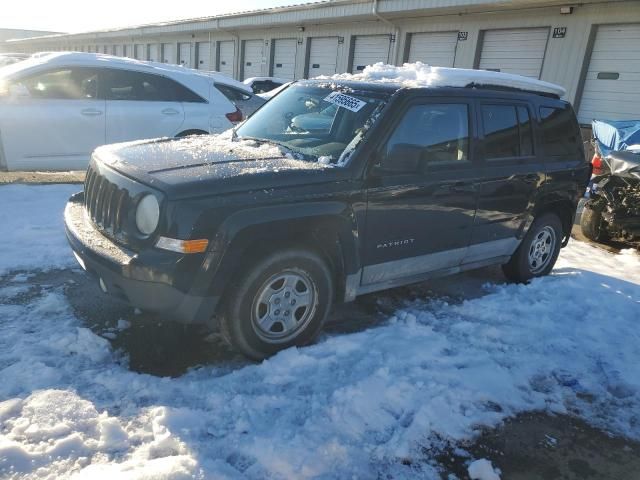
column 56, row 108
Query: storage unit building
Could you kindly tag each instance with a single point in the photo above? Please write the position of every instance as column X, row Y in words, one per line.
column 323, row 56
column 283, row 63
column 612, row 82
column 433, row 48
column 369, row 49
column 252, row 58
column 520, row 50
column 226, row 57
column 203, row 53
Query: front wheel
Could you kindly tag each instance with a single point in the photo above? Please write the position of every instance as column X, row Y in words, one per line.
column 279, row 302
column 591, row 222
column 538, row 252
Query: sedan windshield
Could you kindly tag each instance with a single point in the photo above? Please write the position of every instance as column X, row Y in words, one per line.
column 317, row 122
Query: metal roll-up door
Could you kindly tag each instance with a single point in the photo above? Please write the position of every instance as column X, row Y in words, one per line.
column 520, row 51
column 252, row 58
column 369, row 49
column 433, row 48
column 226, row 57
column 323, row 56
column 612, row 84
column 169, row 53
column 185, row 55
column 138, row 51
column 117, row 50
column 284, row 58
column 204, row 56
column 154, row 52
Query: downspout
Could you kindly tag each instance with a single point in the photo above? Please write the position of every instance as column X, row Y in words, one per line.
column 236, row 50
column 396, row 29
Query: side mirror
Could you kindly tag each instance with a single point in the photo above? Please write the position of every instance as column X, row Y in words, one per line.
column 402, row 158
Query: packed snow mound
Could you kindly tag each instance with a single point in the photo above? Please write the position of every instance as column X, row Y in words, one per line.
column 415, row 75
column 482, row 470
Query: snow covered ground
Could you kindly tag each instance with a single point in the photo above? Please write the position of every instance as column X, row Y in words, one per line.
column 361, row 405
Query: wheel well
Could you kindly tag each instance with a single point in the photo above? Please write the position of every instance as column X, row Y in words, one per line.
column 564, row 209
column 186, row 133
column 323, row 242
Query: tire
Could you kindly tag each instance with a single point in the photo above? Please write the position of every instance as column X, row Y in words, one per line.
column 281, row 301
column 591, row 222
column 538, row 252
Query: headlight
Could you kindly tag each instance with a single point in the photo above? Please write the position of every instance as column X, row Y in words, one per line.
column 148, row 214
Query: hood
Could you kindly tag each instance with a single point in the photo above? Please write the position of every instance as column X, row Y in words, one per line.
column 624, row 164
column 205, row 165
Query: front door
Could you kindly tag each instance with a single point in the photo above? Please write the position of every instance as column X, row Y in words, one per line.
column 52, row 120
column 421, row 194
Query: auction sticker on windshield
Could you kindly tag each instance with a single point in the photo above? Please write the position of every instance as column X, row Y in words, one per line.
column 345, row 101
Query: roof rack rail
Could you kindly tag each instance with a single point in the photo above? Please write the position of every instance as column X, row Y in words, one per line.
column 485, row 86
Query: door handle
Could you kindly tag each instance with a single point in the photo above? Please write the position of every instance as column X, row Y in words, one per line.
column 91, row 112
column 170, row 111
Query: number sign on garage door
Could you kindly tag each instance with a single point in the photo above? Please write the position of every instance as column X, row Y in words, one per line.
column 204, row 56
column 226, row 57
column 369, row 49
column 323, row 56
column 520, row 51
column 434, row 48
column 284, row 58
column 252, row 58
column 612, row 83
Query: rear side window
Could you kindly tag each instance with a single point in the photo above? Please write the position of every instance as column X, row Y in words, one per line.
column 63, row 84
column 560, row 132
column 232, row 94
column 507, row 131
column 144, row 87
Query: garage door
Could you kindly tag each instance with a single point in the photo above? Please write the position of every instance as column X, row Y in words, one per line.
column 154, row 52
column 253, row 57
column 117, row 50
column 226, row 56
column 612, row 85
column 368, row 50
column 185, row 55
column 169, row 53
column 520, row 51
column 436, row 48
column 284, row 58
column 204, row 56
column 138, row 51
column 323, row 56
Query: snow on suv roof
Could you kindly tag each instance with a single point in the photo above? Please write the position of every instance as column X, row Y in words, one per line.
column 417, row 75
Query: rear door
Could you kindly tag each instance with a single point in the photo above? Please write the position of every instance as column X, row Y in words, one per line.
column 420, row 219
column 512, row 174
column 57, row 121
column 141, row 105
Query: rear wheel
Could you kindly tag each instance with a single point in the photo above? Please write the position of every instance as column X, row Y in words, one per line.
column 279, row 302
column 591, row 222
column 538, row 252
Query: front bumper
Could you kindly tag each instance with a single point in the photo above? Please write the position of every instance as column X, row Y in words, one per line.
column 148, row 283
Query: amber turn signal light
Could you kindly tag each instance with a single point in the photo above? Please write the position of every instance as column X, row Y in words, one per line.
column 182, row 246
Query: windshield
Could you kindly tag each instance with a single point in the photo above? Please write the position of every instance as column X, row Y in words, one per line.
column 317, row 122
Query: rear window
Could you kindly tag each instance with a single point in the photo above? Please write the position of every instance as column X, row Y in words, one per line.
column 560, row 132
column 507, row 131
column 232, row 94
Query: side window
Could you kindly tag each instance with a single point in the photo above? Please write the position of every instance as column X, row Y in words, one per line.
column 144, row 87
column 507, row 131
column 438, row 133
column 560, row 132
column 63, row 84
column 232, row 94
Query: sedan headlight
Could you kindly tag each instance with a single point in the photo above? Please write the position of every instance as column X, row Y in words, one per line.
column 148, row 214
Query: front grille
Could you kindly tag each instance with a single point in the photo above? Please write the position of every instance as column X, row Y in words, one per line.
column 105, row 202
